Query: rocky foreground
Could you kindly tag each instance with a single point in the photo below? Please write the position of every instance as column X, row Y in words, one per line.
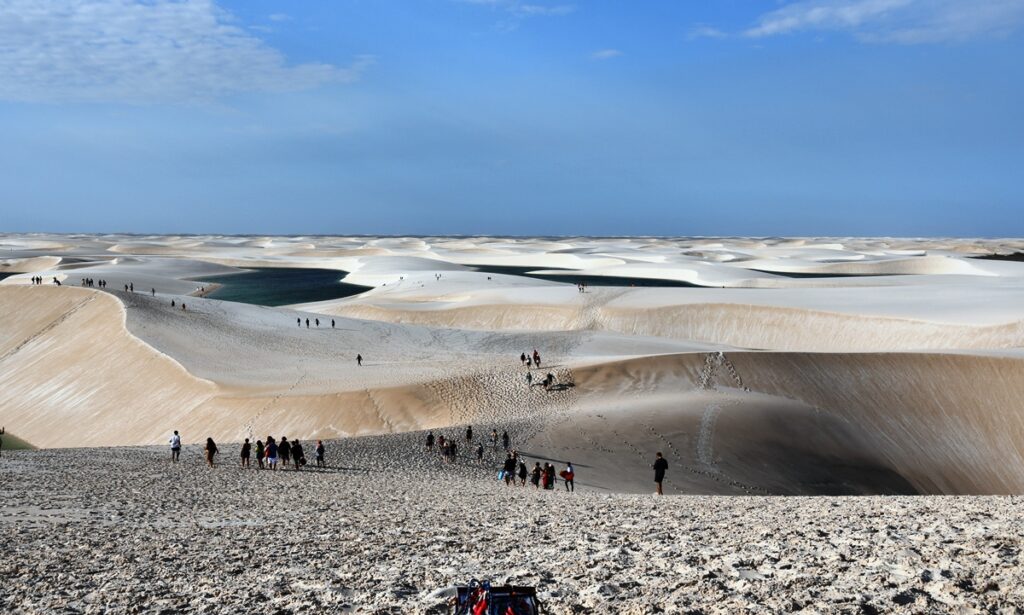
column 389, row 528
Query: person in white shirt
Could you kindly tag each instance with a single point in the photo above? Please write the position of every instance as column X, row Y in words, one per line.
column 175, row 447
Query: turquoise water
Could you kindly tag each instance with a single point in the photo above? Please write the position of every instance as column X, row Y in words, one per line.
column 274, row 286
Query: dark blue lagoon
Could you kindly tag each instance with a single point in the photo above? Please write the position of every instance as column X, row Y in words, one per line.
column 281, row 286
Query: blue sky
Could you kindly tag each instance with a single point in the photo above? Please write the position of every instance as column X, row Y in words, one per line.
column 724, row 117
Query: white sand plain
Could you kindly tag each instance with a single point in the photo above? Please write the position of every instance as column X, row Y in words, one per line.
column 790, row 366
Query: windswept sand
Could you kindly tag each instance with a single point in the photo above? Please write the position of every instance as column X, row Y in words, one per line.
column 879, row 384
column 390, row 529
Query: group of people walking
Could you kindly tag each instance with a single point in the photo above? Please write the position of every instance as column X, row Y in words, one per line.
column 37, row 280
column 268, row 455
column 530, row 361
column 540, row 477
column 91, row 283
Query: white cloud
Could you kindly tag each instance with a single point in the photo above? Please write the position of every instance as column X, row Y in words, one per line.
column 142, row 51
column 605, row 54
column 899, row 21
column 279, row 17
column 705, row 31
column 519, row 8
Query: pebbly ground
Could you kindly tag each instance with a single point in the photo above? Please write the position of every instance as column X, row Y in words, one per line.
column 388, row 528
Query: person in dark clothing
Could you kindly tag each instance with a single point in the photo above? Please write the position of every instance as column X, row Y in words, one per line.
column 494, row 438
column 510, row 470
column 259, row 453
column 480, row 452
column 318, row 322
column 453, row 451
column 469, row 434
column 307, row 326
column 660, row 465
column 211, row 450
column 359, row 360
column 535, row 475
column 522, row 358
column 332, row 323
column 271, row 453
column 298, row 321
column 320, row 463
column 550, row 477
column 246, row 448
column 430, row 441
column 297, row 456
column 284, row 451
column 504, row 440
column 522, row 473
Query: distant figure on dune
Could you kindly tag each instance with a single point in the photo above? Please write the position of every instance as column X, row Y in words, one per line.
column 505, row 439
column 469, row 433
column 332, row 323
column 246, row 448
column 430, row 441
column 480, row 452
column 536, row 357
column 551, row 476
column 522, row 358
column 259, row 453
column 660, row 465
column 317, row 322
column 494, row 438
column 153, row 290
column 549, row 380
column 182, row 306
column 284, row 451
column 522, row 473
column 568, row 474
column 529, row 362
column 172, row 303
column 298, row 458
column 175, row 447
column 271, row 453
column 535, row 475
column 320, row 463
column 211, row 450
column 359, row 360
column 307, row 326
column 298, row 321
column 529, row 379
column 131, row 287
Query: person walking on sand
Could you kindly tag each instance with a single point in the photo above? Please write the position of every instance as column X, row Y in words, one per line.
column 480, row 452
column 175, row 447
column 307, row 326
column 211, row 450
column 298, row 458
column 660, row 465
column 522, row 473
column 298, row 321
column 271, row 453
column 469, row 433
column 568, row 474
column 317, row 322
column 529, row 379
column 332, row 323
column 494, row 438
column 320, row 463
column 510, row 470
column 535, row 475
column 505, row 439
column 246, row 449
column 430, row 441
column 551, row 476
column 284, row 451
column 522, row 358
column 359, row 360
column 259, row 454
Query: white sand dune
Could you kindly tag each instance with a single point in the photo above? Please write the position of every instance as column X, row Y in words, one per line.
column 892, row 384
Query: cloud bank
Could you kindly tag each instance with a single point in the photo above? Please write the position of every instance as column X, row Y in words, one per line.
column 137, row 52
column 896, row 21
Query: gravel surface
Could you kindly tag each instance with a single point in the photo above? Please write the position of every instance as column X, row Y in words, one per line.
column 390, row 528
